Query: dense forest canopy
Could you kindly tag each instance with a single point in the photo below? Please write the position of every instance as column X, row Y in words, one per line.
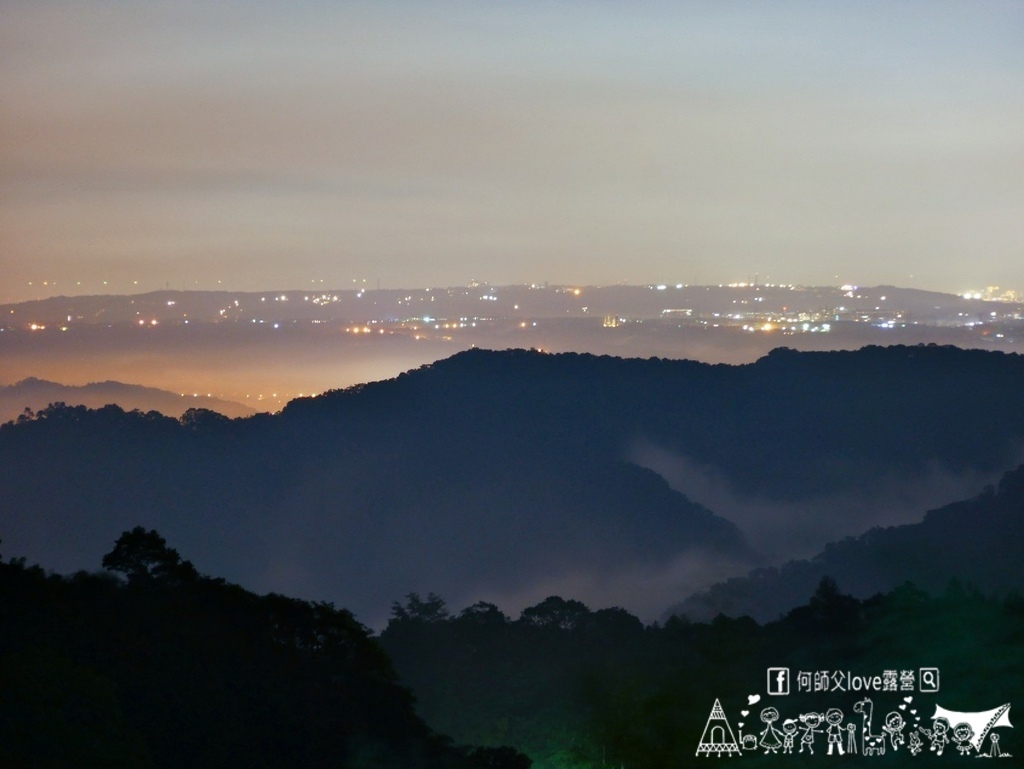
column 152, row 664
column 580, row 689
column 166, row 668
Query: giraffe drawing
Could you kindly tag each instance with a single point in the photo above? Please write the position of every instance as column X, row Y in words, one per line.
column 874, row 744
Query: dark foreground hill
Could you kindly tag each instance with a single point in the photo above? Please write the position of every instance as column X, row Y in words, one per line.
column 514, row 475
column 580, row 689
column 174, row 670
column 977, row 541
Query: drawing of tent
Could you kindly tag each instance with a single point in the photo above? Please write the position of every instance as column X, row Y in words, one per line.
column 982, row 722
column 718, row 737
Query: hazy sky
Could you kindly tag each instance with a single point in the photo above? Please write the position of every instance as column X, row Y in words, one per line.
column 271, row 144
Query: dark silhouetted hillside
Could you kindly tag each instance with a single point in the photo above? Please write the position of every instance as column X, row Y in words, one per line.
column 512, row 475
column 579, row 688
column 167, row 668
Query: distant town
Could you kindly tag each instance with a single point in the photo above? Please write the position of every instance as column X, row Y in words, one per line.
column 264, row 348
column 432, row 312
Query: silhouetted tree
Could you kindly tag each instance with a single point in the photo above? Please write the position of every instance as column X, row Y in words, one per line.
column 416, row 609
column 483, row 613
column 556, row 613
column 144, row 555
column 199, row 419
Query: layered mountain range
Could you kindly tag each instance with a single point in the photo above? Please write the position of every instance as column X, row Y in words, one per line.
column 35, row 394
column 513, row 475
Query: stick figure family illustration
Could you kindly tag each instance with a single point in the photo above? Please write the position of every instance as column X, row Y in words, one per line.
column 960, row 732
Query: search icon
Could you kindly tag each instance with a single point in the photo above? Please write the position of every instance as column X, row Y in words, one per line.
column 929, row 678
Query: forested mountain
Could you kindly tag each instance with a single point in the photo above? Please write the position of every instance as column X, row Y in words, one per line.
column 976, row 541
column 514, row 475
column 512, row 478
column 167, row 668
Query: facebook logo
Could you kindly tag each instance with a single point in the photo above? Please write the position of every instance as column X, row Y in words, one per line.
column 778, row 681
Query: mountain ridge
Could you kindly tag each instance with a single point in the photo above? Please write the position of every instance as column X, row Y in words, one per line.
column 35, row 393
column 510, row 474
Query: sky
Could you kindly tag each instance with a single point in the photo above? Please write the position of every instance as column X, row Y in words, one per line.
column 261, row 145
